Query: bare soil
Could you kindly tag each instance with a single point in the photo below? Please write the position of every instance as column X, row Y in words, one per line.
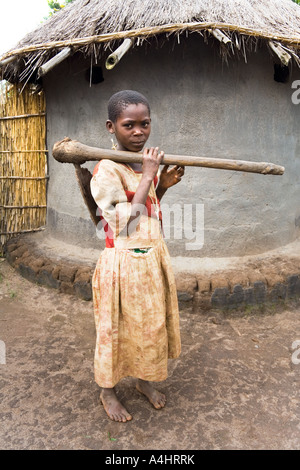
column 235, row 386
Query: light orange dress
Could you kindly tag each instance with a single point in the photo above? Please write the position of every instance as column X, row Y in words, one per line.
column 134, row 293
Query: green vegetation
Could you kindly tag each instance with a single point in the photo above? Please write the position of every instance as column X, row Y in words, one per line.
column 56, row 6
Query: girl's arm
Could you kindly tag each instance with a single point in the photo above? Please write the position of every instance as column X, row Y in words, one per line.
column 151, row 161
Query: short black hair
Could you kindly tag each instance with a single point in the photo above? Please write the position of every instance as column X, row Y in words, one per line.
column 120, row 100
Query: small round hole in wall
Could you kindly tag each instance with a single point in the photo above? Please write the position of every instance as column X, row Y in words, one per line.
column 94, row 75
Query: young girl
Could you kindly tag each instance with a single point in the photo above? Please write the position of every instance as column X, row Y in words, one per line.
column 134, row 292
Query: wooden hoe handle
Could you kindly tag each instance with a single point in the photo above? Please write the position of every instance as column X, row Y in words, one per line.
column 72, row 151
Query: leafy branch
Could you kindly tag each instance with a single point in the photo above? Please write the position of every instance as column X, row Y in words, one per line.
column 56, row 6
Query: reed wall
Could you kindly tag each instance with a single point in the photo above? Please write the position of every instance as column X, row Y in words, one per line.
column 23, row 154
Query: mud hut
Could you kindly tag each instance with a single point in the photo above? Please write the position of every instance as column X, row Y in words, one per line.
column 219, row 77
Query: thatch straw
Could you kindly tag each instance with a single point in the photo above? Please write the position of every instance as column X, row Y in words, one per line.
column 87, row 22
column 23, row 166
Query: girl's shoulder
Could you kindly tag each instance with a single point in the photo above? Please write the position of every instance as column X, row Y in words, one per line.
column 107, row 166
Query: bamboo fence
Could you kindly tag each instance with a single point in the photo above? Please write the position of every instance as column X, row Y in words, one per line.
column 23, row 169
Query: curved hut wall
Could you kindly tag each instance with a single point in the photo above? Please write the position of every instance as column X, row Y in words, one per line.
column 201, row 105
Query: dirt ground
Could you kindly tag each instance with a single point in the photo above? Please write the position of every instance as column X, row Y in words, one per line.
column 235, row 386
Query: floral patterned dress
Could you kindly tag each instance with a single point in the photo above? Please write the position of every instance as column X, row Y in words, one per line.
column 134, row 292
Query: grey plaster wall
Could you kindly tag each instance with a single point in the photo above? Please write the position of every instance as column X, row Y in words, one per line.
column 200, row 106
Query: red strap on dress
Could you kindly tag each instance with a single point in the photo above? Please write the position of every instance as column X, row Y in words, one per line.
column 149, row 205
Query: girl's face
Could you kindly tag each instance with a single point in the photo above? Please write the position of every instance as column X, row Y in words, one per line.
column 132, row 128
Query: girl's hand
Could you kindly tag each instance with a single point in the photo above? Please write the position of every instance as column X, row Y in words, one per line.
column 152, row 158
column 170, row 177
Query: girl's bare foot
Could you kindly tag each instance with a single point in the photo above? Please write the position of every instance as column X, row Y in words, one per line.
column 156, row 398
column 114, row 409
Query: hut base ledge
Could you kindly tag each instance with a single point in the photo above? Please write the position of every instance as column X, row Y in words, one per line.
column 204, row 286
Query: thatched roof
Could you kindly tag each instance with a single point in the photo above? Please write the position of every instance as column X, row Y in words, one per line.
column 93, row 26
